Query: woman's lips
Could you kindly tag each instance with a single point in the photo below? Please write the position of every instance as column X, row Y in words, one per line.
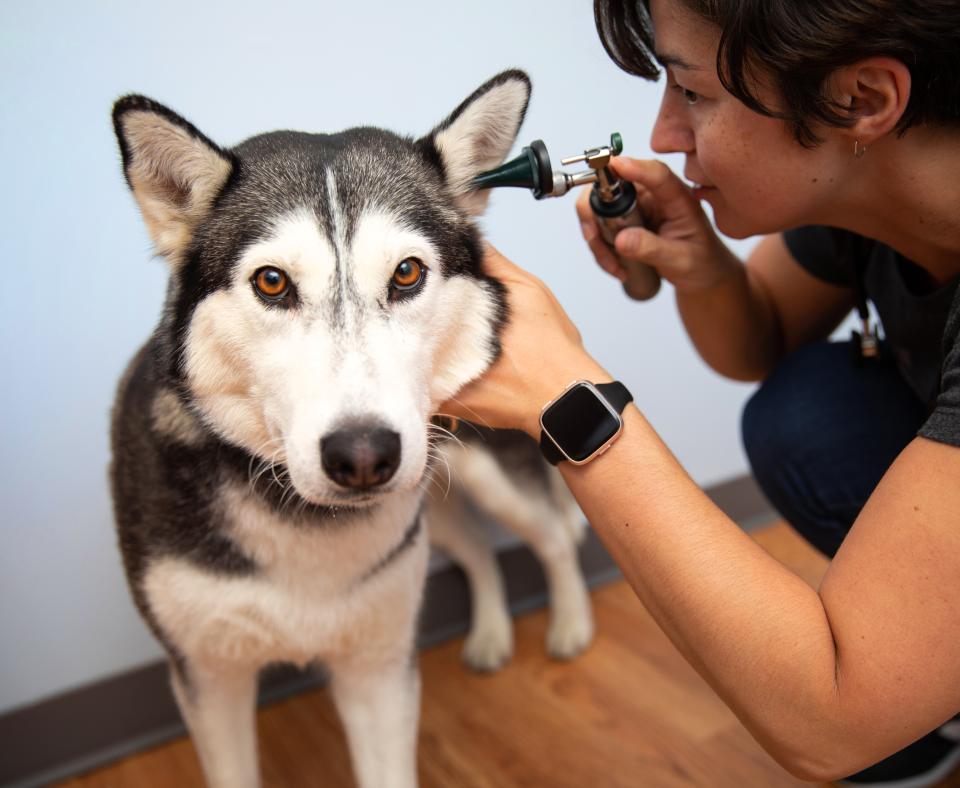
column 697, row 188
column 700, row 191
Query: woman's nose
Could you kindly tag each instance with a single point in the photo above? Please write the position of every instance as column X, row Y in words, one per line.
column 671, row 131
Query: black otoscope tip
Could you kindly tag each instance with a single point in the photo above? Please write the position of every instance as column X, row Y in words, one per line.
column 530, row 170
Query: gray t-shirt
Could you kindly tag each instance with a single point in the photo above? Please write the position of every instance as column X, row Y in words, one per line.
column 944, row 423
column 924, row 342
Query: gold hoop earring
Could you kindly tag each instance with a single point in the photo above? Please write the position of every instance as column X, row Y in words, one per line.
column 859, row 151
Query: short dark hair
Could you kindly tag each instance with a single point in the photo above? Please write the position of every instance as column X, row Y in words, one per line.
column 797, row 45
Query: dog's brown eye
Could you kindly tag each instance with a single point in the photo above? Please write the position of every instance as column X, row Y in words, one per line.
column 270, row 283
column 409, row 274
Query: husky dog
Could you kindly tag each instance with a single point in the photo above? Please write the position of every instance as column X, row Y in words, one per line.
column 272, row 440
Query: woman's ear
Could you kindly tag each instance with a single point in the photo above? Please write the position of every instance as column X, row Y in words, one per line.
column 876, row 91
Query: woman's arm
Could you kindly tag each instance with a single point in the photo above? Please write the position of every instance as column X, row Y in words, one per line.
column 742, row 318
column 748, row 322
column 827, row 682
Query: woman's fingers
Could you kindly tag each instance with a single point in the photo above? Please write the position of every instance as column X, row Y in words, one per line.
column 605, row 256
column 671, row 195
column 522, row 286
column 648, row 207
column 644, row 246
column 496, row 265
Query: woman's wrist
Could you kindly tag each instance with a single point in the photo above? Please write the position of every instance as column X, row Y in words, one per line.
column 548, row 385
column 724, row 270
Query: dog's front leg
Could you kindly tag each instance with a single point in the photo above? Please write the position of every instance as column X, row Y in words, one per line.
column 219, row 706
column 380, row 708
column 537, row 520
column 489, row 643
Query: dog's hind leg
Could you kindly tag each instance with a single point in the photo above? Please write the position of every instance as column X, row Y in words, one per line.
column 380, row 708
column 218, row 705
column 536, row 517
column 489, row 643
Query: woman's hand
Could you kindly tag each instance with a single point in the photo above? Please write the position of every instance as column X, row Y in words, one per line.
column 541, row 352
column 678, row 239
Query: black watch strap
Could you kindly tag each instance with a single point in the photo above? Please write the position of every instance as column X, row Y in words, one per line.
column 615, row 393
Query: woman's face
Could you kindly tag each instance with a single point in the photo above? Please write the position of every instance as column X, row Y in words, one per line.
column 748, row 167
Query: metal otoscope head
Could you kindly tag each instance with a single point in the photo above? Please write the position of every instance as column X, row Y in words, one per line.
column 532, row 170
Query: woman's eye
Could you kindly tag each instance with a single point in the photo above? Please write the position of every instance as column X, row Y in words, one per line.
column 270, row 283
column 408, row 275
column 690, row 96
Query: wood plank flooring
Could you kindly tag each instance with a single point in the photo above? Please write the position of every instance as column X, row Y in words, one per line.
column 628, row 712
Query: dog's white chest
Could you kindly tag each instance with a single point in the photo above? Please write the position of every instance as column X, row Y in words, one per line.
column 317, row 593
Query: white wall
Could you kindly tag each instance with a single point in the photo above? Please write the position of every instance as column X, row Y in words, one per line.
column 81, row 292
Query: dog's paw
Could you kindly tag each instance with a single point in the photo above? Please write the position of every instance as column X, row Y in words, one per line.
column 489, row 646
column 569, row 634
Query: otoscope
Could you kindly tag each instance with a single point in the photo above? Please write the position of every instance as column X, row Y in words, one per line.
column 613, row 200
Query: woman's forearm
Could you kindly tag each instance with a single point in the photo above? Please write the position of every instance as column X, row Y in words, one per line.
column 755, row 631
column 732, row 324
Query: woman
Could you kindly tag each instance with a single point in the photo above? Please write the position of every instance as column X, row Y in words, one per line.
column 802, row 116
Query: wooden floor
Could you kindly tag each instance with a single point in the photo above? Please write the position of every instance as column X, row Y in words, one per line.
column 629, row 712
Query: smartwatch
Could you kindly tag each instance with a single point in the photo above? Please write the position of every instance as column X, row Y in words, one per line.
column 583, row 421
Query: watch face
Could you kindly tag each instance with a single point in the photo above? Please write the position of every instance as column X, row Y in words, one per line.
column 579, row 422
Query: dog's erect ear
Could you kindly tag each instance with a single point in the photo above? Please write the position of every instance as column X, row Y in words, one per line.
column 478, row 135
column 175, row 172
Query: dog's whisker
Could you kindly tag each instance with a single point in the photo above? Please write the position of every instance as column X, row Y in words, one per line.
column 428, row 482
column 436, row 428
column 470, row 410
column 264, row 463
column 475, row 429
column 261, row 449
column 288, row 488
column 266, row 460
column 283, row 497
column 446, row 465
column 304, row 503
column 431, row 481
column 439, row 445
column 261, row 472
column 273, row 471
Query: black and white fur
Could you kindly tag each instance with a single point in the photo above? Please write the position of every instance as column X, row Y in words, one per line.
column 243, row 543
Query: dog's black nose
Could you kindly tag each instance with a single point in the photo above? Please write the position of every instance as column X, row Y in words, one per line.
column 360, row 456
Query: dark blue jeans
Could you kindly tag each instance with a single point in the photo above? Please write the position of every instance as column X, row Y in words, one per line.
column 821, row 431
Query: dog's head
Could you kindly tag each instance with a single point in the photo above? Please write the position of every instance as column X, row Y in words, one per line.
column 326, row 292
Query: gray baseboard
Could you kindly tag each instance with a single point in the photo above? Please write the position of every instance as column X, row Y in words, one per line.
column 93, row 725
